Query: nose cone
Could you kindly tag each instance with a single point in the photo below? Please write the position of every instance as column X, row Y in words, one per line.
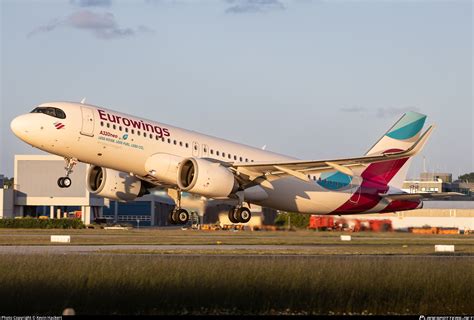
column 19, row 126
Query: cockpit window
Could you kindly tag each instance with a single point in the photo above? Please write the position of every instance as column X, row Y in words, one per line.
column 50, row 111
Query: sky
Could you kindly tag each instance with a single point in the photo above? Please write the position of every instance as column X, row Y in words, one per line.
column 307, row 78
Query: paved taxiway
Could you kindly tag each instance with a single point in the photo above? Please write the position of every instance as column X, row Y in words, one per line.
column 63, row 249
column 187, row 250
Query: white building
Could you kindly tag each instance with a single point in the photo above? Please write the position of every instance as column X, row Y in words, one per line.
column 36, row 191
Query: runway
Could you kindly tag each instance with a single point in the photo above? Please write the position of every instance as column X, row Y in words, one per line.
column 207, row 250
column 63, row 249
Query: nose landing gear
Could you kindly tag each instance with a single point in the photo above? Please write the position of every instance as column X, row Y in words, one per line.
column 65, row 182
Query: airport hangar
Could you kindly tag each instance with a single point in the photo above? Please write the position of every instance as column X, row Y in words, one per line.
column 35, row 193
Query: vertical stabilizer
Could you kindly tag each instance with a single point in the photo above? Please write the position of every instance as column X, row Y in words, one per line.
column 400, row 137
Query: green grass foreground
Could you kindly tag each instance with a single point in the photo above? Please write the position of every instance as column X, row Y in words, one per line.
column 33, row 223
column 141, row 284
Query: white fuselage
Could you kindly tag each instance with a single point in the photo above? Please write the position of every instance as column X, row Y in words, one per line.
column 106, row 138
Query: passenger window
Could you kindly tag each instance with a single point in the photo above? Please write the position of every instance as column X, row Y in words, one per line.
column 174, row 142
column 102, row 123
column 181, row 143
column 162, row 139
column 108, row 125
column 169, row 140
column 195, row 147
column 126, row 130
column 187, row 145
column 151, row 136
column 133, row 131
column 217, row 152
column 205, row 149
column 157, row 137
column 240, row 159
column 223, row 154
column 235, row 157
column 114, row 127
column 138, row 132
column 229, row 156
column 246, row 160
column 212, row 151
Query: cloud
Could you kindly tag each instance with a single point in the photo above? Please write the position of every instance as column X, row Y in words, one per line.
column 91, row 3
column 254, row 6
column 101, row 25
column 394, row 111
column 353, row 109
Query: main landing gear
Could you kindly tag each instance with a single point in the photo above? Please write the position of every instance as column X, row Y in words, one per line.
column 239, row 215
column 65, row 182
column 178, row 215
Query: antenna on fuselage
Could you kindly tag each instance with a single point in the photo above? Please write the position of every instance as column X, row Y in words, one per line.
column 264, row 147
column 83, row 100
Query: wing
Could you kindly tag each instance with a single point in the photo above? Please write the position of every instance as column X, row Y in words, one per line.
column 420, row 196
column 300, row 169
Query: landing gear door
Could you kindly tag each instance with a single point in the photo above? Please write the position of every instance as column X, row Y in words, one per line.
column 195, row 149
column 87, row 128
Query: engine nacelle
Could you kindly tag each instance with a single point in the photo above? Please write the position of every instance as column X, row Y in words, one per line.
column 163, row 166
column 206, row 178
column 114, row 184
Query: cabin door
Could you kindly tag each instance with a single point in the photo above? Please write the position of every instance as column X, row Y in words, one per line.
column 87, row 128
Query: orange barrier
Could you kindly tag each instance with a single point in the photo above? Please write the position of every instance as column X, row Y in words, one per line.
column 434, row 230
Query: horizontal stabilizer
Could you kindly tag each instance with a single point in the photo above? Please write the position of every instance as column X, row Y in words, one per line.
column 419, row 196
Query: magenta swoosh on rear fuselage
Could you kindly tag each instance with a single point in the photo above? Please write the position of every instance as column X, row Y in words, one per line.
column 400, row 205
column 375, row 180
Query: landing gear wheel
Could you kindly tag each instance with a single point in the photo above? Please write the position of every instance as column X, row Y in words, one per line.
column 232, row 217
column 172, row 217
column 66, row 182
column 243, row 215
column 182, row 216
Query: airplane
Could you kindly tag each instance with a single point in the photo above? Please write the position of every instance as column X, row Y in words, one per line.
column 128, row 156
